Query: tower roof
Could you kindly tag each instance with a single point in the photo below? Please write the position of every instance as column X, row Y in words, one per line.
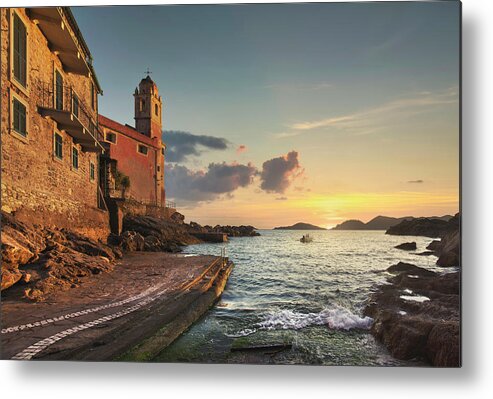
column 147, row 79
column 148, row 85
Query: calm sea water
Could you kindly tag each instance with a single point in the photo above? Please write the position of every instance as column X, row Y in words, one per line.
column 309, row 296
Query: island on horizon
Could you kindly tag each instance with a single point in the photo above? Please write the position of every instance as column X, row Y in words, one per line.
column 381, row 222
column 300, row 226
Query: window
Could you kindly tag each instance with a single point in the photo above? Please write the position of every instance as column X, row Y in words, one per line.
column 162, row 150
column 19, row 114
column 142, row 104
column 156, row 109
column 142, row 149
column 58, row 90
column 92, row 171
column 58, row 146
column 75, row 104
column 159, row 168
column 75, row 158
column 93, row 96
column 111, row 137
column 20, row 51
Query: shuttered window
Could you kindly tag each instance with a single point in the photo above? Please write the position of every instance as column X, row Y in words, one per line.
column 58, row 146
column 92, row 171
column 75, row 105
column 19, row 117
column 20, row 51
column 58, row 91
column 75, row 158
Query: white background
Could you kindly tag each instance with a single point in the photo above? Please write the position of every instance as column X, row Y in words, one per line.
column 475, row 379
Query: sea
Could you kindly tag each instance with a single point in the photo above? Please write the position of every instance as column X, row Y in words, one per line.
column 288, row 302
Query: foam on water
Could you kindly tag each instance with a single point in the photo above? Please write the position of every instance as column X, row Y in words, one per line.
column 416, row 298
column 336, row 318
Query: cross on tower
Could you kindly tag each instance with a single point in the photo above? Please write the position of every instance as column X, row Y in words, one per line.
column 148, row 72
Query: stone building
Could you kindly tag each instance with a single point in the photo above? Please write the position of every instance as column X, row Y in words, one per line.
column 137, row 153
column 51, row 142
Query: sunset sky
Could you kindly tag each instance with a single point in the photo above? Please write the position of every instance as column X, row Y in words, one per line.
column 275, row 114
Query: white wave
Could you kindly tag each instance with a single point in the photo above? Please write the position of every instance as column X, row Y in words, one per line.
column 415, row 298
column 337, row 318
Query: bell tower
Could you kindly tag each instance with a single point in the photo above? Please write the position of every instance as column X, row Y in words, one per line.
column 148, row 121
column 148, row 108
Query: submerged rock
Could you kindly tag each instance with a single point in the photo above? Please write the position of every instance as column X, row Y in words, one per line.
column 407, row 246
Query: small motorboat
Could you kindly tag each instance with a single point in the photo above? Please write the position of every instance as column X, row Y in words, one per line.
column 306, row 238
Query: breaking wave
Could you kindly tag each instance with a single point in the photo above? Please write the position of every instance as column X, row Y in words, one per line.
column 336, row 318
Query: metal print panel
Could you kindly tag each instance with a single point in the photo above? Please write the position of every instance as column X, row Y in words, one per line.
column 264, row 184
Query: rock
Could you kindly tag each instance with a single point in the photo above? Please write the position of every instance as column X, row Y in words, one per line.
column 429, row 329
column 448, row 259
column 449, row 253
column 13, row 251
column 427, row 227
column 409, row 268
column 171, row 235
column 47, row 260
column 443, row 345
column 177, row 218
column 434, row 245
column 87, row 246
column 426, row 253
column 26, row 277
column 407, row 246
column 231, row 231
column 152, row 243
column 9, row 278
column 132, row 241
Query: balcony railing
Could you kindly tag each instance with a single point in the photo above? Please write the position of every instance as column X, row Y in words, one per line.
column 61, row 103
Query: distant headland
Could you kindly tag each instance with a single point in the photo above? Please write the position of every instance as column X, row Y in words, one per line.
column 380, row 223
column 300, row 226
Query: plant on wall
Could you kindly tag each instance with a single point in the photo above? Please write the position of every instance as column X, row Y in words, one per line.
column 122, row 181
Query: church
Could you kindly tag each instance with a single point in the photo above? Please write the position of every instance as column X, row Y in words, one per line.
column 135, row 155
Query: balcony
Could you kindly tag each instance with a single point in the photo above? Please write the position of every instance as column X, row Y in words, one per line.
column 61, row 103
column 64, row 38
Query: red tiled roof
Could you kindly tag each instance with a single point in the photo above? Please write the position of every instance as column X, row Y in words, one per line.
column 126, row 130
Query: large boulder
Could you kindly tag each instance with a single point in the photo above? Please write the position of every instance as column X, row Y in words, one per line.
column 449, row 253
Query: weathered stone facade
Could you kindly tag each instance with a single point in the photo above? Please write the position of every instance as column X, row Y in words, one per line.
column 37, row 185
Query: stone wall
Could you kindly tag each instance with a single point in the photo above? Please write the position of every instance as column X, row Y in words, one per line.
column 36, row 185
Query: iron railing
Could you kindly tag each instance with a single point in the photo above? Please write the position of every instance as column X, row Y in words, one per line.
column 61, row 97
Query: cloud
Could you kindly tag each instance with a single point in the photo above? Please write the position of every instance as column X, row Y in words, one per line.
column 278, row 173
column 373, row 119
column 180, row 145
column 281, row 198
column 416, row 181
column 241, row 148
column 218, row 179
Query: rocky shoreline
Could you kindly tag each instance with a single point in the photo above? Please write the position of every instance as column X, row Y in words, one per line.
column 417, row 313
column 38, row 262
